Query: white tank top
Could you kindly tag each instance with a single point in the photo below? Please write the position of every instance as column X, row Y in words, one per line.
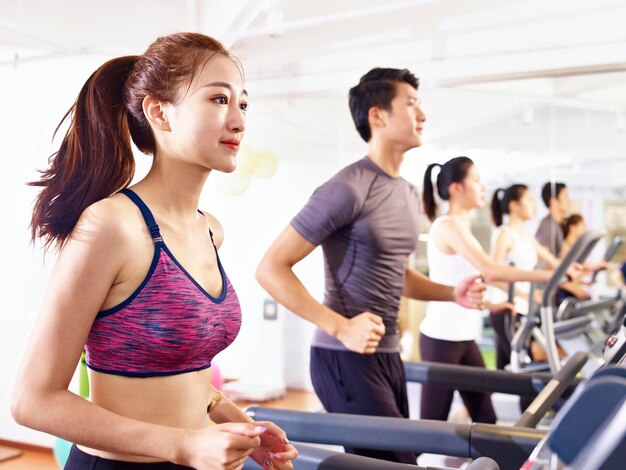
column 448, row 320
column 523, row 255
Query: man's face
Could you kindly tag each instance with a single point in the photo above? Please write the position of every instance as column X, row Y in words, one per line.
column 404, row 122
column 564, row 202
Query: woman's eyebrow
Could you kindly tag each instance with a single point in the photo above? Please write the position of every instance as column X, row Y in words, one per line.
column 222, row 85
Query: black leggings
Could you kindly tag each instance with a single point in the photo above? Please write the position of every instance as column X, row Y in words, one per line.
column 503, row 346
column 79, row 460
column 436, row 401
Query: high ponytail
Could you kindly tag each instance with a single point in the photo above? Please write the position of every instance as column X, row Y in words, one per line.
column 428, row 193
column 95, row 158
column 502, row 199
column 496, row 207
column 453, row 171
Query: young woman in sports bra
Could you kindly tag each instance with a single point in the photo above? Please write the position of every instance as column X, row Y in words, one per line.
column 448, row 331
column 138, row 281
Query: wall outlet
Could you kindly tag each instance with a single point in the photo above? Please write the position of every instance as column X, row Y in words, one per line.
column 270, row 309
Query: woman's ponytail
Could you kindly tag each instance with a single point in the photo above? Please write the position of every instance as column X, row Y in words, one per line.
column 95, row 158
column 502, row 199
column 428, row 193
column 496, row 207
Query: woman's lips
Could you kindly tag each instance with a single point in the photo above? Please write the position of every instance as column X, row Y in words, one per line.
column 233, row 144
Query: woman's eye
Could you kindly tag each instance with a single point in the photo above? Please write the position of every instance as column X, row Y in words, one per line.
column 243, row 106
column 221, row 100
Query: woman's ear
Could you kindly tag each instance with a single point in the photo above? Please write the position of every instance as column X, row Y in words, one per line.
column 156, row 114
column 455, row 189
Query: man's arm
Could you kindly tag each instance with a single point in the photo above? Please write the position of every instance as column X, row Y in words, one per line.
column 275, row 274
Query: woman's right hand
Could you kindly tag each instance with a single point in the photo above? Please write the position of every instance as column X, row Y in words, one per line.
column 221, row 446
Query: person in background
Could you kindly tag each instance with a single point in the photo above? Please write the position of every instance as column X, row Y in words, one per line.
column 449, row 331
column 513, row 245
column 557, row 200
column 366, row 218
column 573, row 227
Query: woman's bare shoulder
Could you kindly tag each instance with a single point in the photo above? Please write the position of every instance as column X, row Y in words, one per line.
column 112, row 221
column 216, row 228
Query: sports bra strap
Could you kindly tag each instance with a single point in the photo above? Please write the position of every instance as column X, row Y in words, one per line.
column 145, row 212
column 210, row 231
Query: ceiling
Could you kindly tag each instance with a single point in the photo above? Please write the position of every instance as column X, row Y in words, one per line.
column 524, row 79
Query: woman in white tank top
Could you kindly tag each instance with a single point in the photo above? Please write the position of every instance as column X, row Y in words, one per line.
column 448, row 333
column 511, row 244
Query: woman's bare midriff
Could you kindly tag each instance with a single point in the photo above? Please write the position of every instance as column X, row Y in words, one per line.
column 178, row 401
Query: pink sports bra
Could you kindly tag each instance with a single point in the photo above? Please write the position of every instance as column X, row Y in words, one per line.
column 169, row 325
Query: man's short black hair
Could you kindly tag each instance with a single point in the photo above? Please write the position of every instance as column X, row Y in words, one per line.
column 548, row 192
column 377, row 88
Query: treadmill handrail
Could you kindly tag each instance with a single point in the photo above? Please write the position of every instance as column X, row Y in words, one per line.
column 314, row 458
column 401, row 434
column 478, row 379
column 576, row 325
column 611, row 251
column 579, row 252
column 581, row 249
column 552, row 391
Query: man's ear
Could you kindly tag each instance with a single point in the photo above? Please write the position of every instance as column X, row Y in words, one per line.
column 156, row 114
column 377, row 117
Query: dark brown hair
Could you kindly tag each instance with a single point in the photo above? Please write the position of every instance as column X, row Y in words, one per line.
column 569, row 222
column 502, row 199
column 376, row 89
column 551, row 190
column 453, row 171
column 95, row 159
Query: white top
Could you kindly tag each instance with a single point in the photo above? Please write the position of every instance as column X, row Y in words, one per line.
column 448, row 320
column 523, row 255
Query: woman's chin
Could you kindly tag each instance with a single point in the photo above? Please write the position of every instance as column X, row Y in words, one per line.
column 227, row 167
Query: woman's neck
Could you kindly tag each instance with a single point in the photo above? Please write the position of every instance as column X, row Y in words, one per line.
column 516, row 223
column 175, row 190
column 459, row 212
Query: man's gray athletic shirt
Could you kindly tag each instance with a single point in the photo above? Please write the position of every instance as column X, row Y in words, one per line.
column 367, row 223
column 550, row 234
